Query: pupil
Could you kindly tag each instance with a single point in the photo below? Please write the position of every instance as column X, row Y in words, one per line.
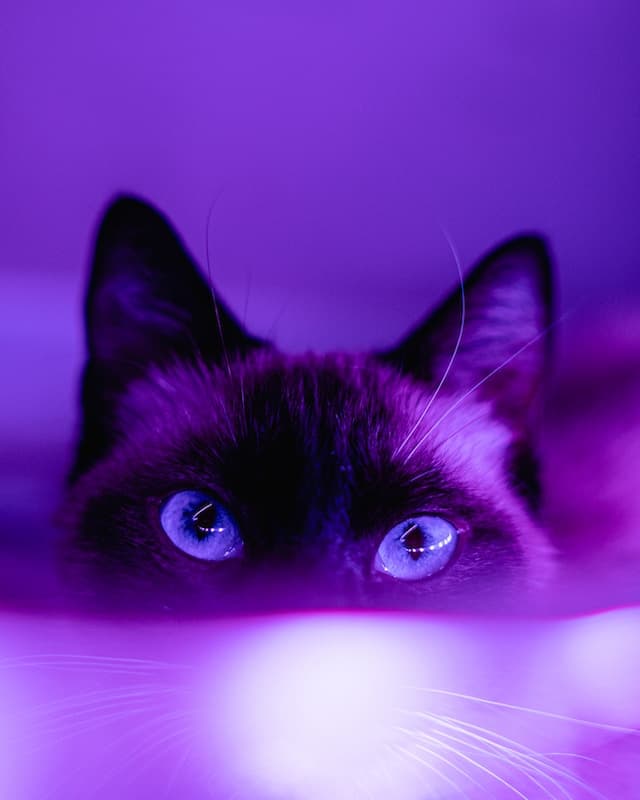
column 413, row 540
column 205, row 518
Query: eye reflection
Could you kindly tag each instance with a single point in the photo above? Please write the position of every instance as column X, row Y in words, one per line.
column 205, row 520
column 413, row 540
column 200, row 526
column 417, row 548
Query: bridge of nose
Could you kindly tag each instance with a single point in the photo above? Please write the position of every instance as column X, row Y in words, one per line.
column 306, row 580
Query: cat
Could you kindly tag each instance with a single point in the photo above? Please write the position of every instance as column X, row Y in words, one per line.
column 213, row 471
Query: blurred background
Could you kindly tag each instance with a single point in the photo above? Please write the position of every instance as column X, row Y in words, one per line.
column 334, row 141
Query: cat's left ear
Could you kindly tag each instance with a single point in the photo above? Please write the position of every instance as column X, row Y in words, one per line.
column 504, row 347
column 147, row 301
column 147, row 305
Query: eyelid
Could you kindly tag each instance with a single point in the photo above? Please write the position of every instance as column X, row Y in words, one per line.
column 216, row 492
column 462, row 525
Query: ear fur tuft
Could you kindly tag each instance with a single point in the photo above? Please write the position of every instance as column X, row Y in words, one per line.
column 508, row 297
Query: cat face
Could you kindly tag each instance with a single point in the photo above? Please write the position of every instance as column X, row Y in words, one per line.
column 215, row 472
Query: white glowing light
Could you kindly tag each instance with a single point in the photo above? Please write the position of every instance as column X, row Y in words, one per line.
column 316, row 703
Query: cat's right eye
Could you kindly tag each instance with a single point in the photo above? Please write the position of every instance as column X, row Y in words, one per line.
column 201, row 526
column 417, row 548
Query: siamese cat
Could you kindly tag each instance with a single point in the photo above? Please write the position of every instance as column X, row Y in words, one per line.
column 214, row 471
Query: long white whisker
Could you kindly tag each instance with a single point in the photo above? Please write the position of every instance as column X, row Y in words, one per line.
column 526, row 759
column 100, row 696
column 479, row 383
column 463, row 313
column 526, row 710
column 159, row 737
column 427, row 765
column 70, row 731
column 449, row 763
column 580, row 756
column 509, row 755
column 212, row 290
column 441, row 443
column 179, row 767
column 55, row 793
column 477, row 764
column 72, row 723
column 540, row 762
column 76, row 661
column 386, row 767
column 519, row 751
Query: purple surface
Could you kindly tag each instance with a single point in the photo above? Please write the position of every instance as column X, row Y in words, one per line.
column 321, row 706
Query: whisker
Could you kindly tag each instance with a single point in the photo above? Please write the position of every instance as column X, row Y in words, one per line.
column 521, row 752
column 580, row 756
column 434, row 395
column 524, row 709
column 508, row 755
column 216, row 309
column 151, row 745
column 279, row 314
column 441, row 443
column 435, row 770
column 539, row 762
column 544, row 758
column 161, row 724
column 74, row 707
column 385, row 767
column 434, row 754
column 477, row 764
column 70, row 732
column 75, row 668
column 75, row 721
column 482, row 381
column 246, row 296
column 78, row 661
column 98, row 695
column 214, row 299
column 178, row 769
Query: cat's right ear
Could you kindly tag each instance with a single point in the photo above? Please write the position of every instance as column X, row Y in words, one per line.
column 147, row 304
column 497, row 343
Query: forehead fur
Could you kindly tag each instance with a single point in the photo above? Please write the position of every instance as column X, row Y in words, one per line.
column 358, row 405
column 348, row 408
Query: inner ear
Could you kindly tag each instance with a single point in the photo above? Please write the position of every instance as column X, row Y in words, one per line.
column 147, row 300
column 503, row 336
column 147, row 304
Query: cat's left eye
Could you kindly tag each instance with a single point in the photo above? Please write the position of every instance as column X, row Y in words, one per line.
column 417, row 548
column 201, row 526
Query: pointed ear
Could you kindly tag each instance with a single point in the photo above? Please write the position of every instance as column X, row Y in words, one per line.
column 505, row 334
column 147, row 300
column 147, row 304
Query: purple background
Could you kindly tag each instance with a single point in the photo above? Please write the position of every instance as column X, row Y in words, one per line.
column 335, row 139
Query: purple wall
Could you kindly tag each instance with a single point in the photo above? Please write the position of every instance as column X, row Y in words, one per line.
column 336, row 139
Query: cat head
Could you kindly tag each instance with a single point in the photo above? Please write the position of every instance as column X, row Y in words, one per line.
column 212, row 470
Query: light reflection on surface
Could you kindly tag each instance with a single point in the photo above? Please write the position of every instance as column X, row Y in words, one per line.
column 340, row 705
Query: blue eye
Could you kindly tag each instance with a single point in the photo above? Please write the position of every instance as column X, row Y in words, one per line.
column 417, row 548
column 200, row 526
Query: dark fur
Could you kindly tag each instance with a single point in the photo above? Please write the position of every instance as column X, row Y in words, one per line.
column 302, row 449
